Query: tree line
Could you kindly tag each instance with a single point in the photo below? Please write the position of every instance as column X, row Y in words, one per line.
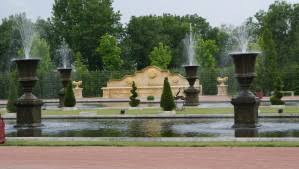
column 99, row 42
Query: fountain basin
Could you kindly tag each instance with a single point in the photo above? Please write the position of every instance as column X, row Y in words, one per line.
column 189, row 127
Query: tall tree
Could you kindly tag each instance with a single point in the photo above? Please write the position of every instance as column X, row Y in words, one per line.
column 110, row 53
column 268, row 68
column 146, row 32
column 161, row 56
column 205, row 55
column 9, row 42
column 82, row 23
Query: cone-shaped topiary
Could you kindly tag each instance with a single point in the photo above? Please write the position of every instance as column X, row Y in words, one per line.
column 167, row 100
column 133, row 101
column 12, row 97
column 69, row 97
column 277, row 95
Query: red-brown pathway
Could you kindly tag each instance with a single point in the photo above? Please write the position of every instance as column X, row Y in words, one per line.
column 147, row 158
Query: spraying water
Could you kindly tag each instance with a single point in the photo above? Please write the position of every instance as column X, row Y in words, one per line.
column 243, row 38
column 189, row 44
column 64, row 52
column 27, row 32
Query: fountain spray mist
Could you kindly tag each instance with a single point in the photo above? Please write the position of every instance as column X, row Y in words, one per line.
column 189, row 43
column 64, row 51
column 27, row 33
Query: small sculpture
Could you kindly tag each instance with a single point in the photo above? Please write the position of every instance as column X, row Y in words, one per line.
column 77, row 89
column 222, row 80
column 77, row 84
column 222, row 87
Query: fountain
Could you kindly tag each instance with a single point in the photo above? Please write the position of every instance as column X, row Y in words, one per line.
column 245, row 104
column 191, row 92
column 65, row 71
column 28, row 105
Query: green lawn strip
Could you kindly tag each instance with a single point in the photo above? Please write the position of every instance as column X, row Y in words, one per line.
column 149, row 144
column 61, row 112
column 288, row 110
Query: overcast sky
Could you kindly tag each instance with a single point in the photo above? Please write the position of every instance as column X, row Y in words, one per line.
column 217, row 12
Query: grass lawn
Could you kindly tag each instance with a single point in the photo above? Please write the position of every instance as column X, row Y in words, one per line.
column 155, row 111
column 149, row 144
column 288, row 110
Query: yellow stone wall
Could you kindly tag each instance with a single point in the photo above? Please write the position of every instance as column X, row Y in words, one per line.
column 149, row 82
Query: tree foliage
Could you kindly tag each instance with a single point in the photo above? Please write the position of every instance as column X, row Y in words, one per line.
column 110, row 53
column 277, row 31
column 146, row 32
column 13, row 93
column 161, row 56
column 83, row 23
column 205, row 55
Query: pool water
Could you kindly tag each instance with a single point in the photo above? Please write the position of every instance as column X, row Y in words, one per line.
column 276, row 127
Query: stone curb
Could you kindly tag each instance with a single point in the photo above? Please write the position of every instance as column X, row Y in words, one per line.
column 147, row 139
column 216, row 116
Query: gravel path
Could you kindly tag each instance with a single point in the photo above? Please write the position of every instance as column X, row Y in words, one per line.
column 147, row 158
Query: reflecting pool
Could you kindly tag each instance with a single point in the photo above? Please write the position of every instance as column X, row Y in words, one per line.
column 270, row 127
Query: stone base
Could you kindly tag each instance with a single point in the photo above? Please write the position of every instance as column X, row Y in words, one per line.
column 78, row 93
column 222, row 90
column 246, row 112
column 192, row 97
column 29, row 113
column 61, row 97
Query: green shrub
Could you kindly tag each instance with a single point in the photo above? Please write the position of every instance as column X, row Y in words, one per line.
column 150, row 98
column 69, row 97
column 12, row 97
column 277, row 95
column 134, row 102
column 276, row 101
column 167, row 100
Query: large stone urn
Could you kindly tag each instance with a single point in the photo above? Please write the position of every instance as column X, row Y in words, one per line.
column 191, row 93
column 245, row 104
column 28, row 105
column 65, row 74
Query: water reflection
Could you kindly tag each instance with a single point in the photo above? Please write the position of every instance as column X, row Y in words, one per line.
column 155, row 128
column 28, row 132
column 246, row 132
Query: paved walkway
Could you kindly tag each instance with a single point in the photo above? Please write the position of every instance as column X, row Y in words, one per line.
column 147, row 158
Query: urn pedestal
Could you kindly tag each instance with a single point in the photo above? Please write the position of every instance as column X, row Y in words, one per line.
column 191, row 93
column 28, row 105
column 245, row 104
column 65, row 74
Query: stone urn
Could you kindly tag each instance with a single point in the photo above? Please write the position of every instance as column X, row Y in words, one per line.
column 245, row 103
column 191, row 92
column 28, row 105
column 65, row 74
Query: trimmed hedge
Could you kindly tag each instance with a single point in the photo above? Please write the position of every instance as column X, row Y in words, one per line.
column 167, row 100
column 134, row 102
column 69, row 98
